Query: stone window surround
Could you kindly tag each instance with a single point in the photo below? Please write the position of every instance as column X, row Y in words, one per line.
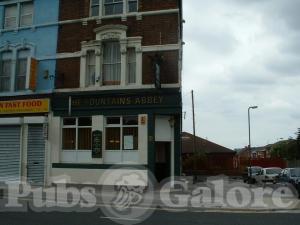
column 14, row 49
column 113, row 33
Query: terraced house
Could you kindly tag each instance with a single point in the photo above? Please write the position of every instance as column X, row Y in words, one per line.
column 28, row 39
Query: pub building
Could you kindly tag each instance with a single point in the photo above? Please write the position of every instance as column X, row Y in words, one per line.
column 117, row 97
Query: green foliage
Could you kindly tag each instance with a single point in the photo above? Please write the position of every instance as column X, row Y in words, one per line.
column 288, row 149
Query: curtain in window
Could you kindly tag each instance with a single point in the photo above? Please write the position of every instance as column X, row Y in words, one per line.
column 26, row 14
column 112, row 7
column 5, row 71
column 111, row 63
column 21, row 70
column 91, row 68
column 10, row 16
column 131, row 66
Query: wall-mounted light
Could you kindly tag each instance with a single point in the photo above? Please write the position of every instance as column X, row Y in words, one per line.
column 172, row 121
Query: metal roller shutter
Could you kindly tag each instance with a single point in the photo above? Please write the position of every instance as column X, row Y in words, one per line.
column 35, row 154
column 10, row 153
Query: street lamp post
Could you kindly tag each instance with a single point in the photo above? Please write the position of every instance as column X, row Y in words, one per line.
column 250, row 155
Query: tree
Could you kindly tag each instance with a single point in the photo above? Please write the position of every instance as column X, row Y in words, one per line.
column 287, row 149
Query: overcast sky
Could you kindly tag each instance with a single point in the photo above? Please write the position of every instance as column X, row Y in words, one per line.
column 239, row 53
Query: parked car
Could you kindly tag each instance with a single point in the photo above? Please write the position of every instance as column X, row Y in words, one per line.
column 249, row 176
column 292, row 176
column 289, row 175
column 269, row 175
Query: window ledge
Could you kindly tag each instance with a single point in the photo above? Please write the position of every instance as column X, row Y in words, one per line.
column 17, row 29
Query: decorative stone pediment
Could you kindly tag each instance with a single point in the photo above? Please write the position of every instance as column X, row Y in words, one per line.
column 111, row 32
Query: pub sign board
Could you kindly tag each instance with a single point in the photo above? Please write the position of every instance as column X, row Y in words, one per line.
column 97, row 144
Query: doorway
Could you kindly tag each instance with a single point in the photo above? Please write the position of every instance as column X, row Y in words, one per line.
column 162, row 160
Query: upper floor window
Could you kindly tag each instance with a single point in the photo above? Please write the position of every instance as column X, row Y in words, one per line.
column 131, row 66
column 26, row 14
column 5, row 71
column 132, row 5
column 91, row 68
column 112, row 7
column 112, row 59
column 95, row 6
column 13, row 71
column 111, row 63
column 18, row 15
column 22, row 61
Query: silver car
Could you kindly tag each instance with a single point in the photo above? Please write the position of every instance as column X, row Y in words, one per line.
column 269, row 175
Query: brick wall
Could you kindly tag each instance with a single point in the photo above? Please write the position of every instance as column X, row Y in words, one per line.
column 155, row 30
column 68, row 73
column 73, row 9
column 76, row 9
column 152, row 5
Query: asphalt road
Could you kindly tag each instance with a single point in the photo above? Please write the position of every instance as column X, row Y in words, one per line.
column 158, row 218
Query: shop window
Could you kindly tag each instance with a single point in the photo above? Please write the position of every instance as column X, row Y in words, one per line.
column 77, row 133
column 5, row 71
column 121, row 133
column 18, row 15
column 131, row 66
column 111, row 63
column 91, row 69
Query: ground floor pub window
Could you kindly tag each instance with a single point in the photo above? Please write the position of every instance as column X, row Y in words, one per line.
column 77, row 133
column 121, row 133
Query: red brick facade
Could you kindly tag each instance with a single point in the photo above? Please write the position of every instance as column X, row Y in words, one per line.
column 77, row 9
column 160, row 29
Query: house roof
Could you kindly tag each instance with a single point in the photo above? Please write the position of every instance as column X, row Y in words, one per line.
column 201, row 145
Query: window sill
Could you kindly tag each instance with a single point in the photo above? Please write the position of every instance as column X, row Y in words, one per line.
column 17, row 29
column 113, row 16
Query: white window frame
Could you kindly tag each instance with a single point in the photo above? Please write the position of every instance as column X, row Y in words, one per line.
column 120, row 126
column 10, row 59
column 111, row 33
column 18, row 15
column 7, row 18
column 29, row 14
column 101, row 12
column 76, row 127
column 15, row 50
